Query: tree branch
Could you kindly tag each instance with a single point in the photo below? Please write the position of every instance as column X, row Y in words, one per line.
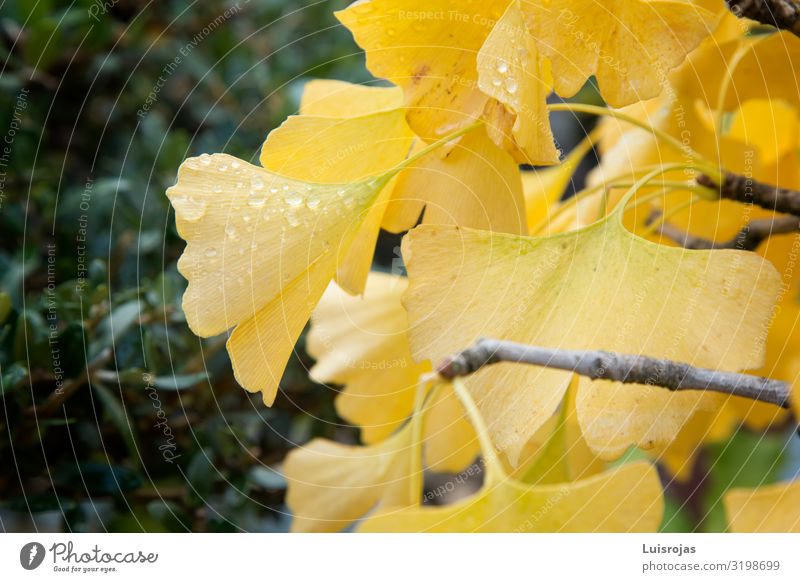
column 747, row 239
column 629, row 369
column 748, row 191
column 784, row 14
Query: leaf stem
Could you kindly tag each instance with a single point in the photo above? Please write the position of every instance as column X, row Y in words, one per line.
column 702, row 163
column 431, row 147
column 656, row 224
column 494, row 469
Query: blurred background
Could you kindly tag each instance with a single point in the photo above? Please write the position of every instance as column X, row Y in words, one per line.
column 115, row 417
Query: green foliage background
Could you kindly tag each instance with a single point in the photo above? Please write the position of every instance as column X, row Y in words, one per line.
column 115, row 417
column 83, row 162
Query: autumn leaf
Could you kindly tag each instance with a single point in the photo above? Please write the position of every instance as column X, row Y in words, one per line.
column 470, row 183
column 331, row 485
column 767, row 509
column 625, row 499
column 431, row 49
column 628, row 45
column 362, row 344
column 263, row 246
column 594, row 288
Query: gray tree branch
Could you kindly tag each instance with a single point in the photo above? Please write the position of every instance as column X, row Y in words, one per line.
column 747, row 239
column 784, row 14
column 748, row 191
column 626, row 368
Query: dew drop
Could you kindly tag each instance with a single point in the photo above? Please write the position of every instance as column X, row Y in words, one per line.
column 292, row 220
column 235, row 165
column 340, row 193
column 511, row 85
column 256, row 183
column 190, row 208
column 312, row 202
column 502, row 66
column 230, row 231
column 256, row 201
column 293, row 199
column 211, row 252
column 496, row 82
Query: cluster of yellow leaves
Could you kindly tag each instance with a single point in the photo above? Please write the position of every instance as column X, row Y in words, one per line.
column 327, row 495
column 731, row 101
column 498, row 60
column 268, row 245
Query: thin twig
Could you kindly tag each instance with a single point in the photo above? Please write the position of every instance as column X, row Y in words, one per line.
column 748, row 191
column 626, row 368
column 747, row 239
column 783, row 14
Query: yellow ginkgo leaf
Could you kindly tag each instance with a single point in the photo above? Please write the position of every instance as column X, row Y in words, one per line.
column 759, row 67
column 425, row 48
column 725, row 23
column 770, row 126
column 450, row 442
column 627, row 499
column 331, row 485
column 511, row 70
column 362, row 344
column 471, row 182
column 564, row 455
column 262, row 247
column 341, row 149
column 758, row 143
column 628, row 45
column 595, row 288
column 303, row 146
column 767, row 509
column 796, row 391
column 330, row 98
column 474, row 183
column 430, row 48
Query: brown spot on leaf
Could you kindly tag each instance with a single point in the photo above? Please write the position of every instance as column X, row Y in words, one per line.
column 420, row 72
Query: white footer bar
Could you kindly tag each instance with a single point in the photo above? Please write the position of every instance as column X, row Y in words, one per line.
column 388, row 558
